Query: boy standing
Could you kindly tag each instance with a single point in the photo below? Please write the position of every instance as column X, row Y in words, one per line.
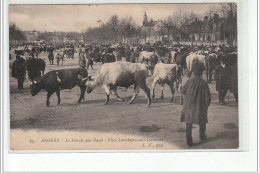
column 196, row 103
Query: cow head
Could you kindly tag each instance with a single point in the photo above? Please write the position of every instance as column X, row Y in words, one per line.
column 35, row 87
column 89, row 82
column 150, row 69
column 84, row 80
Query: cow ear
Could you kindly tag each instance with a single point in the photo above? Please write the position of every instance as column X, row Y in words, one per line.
column 34, row 82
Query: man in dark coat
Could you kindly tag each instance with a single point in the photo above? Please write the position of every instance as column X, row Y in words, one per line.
column 90, row 60
column 51, row 55
column 196, row 103
column 222, row 75
column 18, row 70
column 82, row 60
column 34, row 68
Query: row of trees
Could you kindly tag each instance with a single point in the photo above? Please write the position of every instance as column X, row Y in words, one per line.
column 50, row 36
column 15, row 34
column 180, row 26
column 115, row 29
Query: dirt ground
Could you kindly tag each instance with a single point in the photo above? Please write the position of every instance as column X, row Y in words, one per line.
column 161, row 120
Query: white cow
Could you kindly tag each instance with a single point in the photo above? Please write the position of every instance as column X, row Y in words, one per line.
column 145, row 56
column 168, row 74
column 122, row 74
column 173, row 53
column 189, row 61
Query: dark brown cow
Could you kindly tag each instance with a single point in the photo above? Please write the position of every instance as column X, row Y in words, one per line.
column 57, row 80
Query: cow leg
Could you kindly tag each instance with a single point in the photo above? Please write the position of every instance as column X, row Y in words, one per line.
column 189, row 73
column 48, row 98
column 136, row 91
column 172, row 90
column 162, row 87
column 181, row 98
column 107, row 90
column 58, row 95
column 82, row 93
column 147, row 92
column 210, row 74
column 153, row 86
column 117, row 96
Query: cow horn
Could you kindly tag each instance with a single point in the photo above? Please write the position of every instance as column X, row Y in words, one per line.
column 87, row 78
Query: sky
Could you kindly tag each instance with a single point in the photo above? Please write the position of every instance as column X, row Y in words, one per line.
column 78, row 18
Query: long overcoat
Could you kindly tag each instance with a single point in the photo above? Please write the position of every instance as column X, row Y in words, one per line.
column 19, row 68
column 196, row 102
column 222, row 76
column 82, row 60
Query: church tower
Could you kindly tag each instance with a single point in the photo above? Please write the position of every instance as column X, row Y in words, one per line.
column 145, row 20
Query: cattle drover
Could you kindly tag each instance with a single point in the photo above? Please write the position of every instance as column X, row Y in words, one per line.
column 57, row 80
column 19, row 70
column 35, row 68
column 222, row 76
column 122, row 74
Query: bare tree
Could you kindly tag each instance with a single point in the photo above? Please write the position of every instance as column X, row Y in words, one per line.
column 168, row 24
column 114, row 24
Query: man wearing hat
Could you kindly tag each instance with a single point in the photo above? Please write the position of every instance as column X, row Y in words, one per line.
column 19, row 70
column 222, row 75
column 82, row 59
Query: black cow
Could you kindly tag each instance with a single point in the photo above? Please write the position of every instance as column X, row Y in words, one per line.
column 180, row 59
column 57, row 80
column 108, row 57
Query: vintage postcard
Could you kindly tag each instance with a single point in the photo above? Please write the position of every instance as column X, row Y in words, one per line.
column 123, row 76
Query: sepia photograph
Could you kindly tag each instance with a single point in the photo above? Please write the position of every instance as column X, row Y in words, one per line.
column 124, row 76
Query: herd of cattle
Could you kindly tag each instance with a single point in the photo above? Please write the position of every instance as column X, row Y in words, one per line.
column 123, row 66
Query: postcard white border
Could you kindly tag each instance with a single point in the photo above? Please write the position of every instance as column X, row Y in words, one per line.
column 159, row 161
